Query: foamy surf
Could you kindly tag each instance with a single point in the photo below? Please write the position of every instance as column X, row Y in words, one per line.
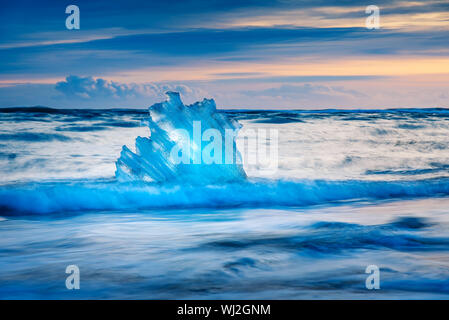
column 60, row 197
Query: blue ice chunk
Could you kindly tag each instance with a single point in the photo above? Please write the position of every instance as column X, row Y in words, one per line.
column 181, row 146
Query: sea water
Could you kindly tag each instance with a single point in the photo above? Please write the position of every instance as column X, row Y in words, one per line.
column 352, row 189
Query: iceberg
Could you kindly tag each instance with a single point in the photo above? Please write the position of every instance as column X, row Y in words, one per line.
column 192, row 144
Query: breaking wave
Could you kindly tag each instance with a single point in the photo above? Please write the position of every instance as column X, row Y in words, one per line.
column 64, row 197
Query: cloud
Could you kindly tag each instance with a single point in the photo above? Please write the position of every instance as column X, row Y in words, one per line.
column 123, row 36
column 305, row 91
column 89, row 88
column 371, row 93
column 211, row 48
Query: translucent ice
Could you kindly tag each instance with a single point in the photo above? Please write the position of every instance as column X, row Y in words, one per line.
column 188, row 144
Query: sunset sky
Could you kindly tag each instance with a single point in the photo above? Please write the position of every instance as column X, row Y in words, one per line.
column 288, row 54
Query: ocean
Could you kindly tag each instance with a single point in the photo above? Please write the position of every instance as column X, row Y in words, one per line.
column 352, row 189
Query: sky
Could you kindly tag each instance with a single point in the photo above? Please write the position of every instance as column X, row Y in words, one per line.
column 251, row 54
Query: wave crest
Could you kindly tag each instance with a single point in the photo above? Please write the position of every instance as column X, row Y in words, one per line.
column 98, row 196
